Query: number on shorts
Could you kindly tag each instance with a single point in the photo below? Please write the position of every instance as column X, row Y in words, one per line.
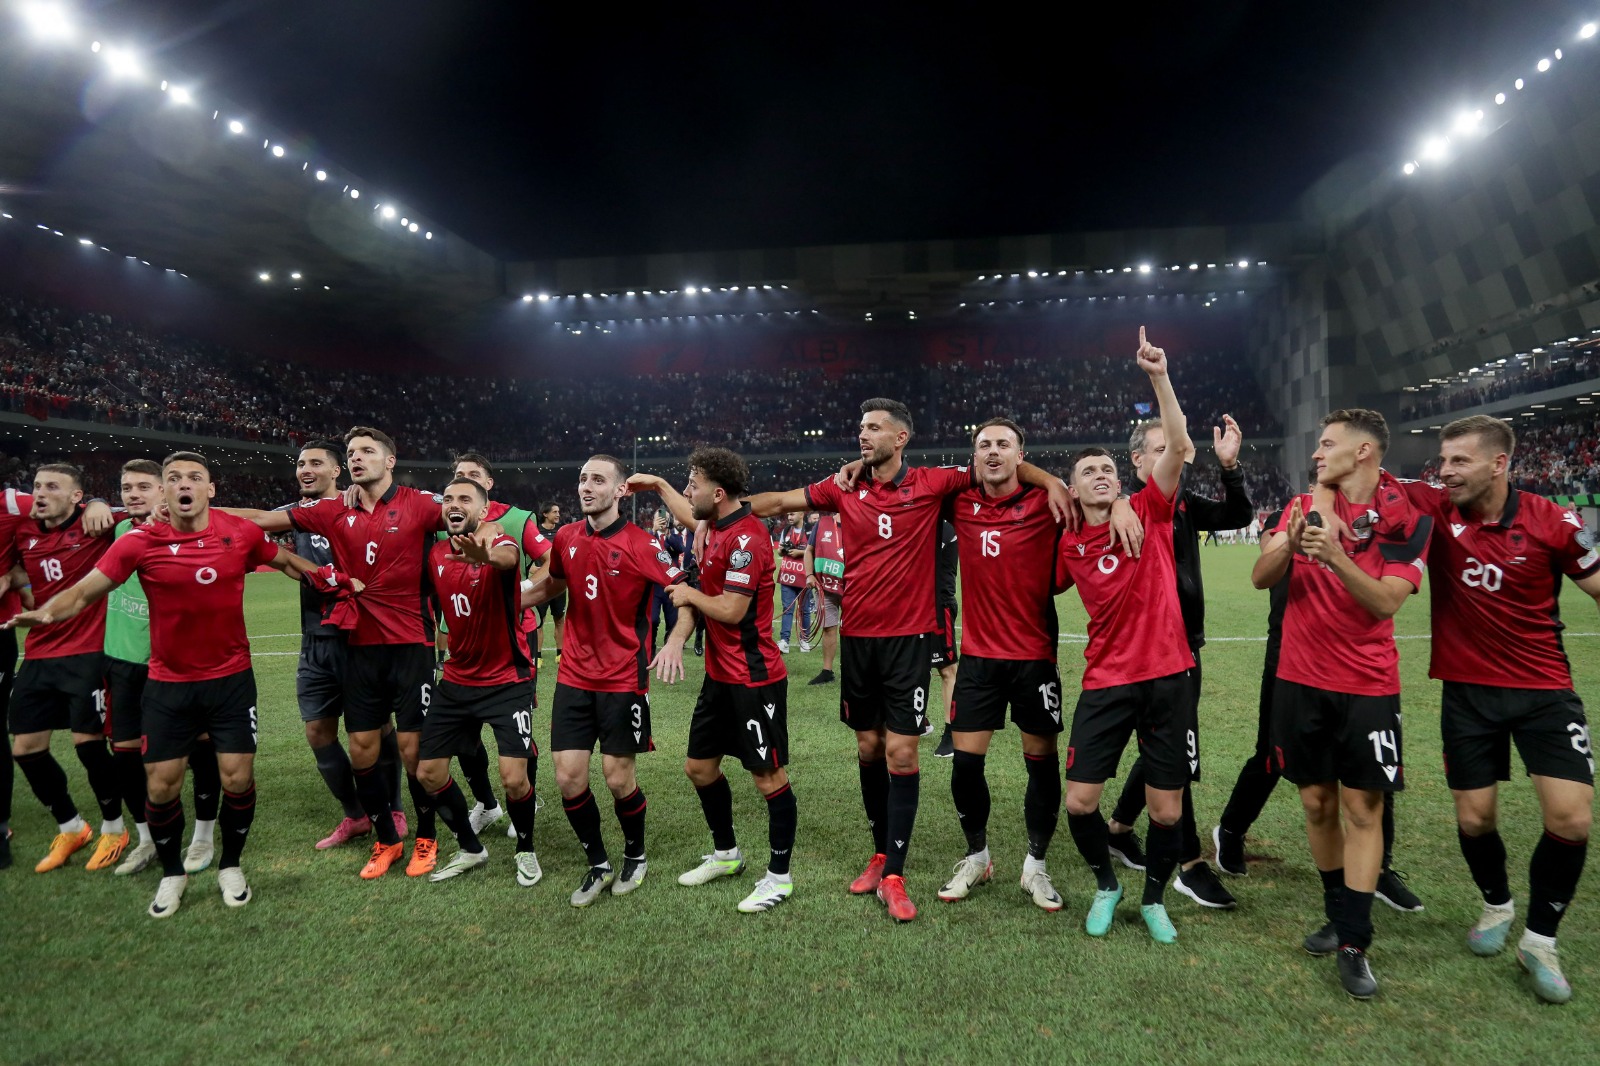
column 52, row 569
column 885, row 526
column 460, row 605
column 1384, row 738
column 524, row 721
column 100, row 704
column 427, row 697
column 753, row 724
column 1048, row 693
column 253, row 734
column 919, row 700
column 1580, row 738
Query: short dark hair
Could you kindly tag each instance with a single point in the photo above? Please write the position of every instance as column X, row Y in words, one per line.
column 142, row 466
column 334, row 451
column 187, row 457
column 548, row 506
column 75, row 473
column 1022, row 437
column 1490, row 430
column 1362, row 420
column 1085, row 453
column 893, row 408
column 724, row 467
column 622, row 468
column 472, row 457
column 479, row 490
column 376, row 434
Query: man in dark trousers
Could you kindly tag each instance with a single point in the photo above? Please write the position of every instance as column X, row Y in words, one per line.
column 1194, row 514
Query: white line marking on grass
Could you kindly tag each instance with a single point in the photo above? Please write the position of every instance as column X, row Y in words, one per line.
column 1083, row 638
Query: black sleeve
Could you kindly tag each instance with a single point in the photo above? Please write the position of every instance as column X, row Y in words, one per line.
column 1233, row 511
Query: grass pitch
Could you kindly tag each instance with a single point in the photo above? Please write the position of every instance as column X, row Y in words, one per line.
column 323, row 967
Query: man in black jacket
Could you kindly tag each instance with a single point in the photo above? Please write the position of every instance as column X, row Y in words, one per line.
column 1195, row 514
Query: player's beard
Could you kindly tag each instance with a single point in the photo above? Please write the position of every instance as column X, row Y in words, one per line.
column 879, row 455
column 314, row 491
column 702, row 512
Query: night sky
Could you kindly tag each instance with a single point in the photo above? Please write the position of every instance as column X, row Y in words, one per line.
column 540, row 130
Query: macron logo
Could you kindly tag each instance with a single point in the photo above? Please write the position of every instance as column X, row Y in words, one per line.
column 173, row 548
column 1572, row 520
column 1457, row 528
column 975, row 507
column 572, row 551
column 350, row 520
column 861, row 495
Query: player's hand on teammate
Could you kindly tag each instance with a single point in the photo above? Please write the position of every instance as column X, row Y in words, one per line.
column 680, row 594
column 1126, row 529
column 1151, row 360
column 1063, row 508
column 352, row 496
column 849, row 474
column 1226, row 440
column 24, row 619
column 98, row 519
column 668, row 663
column 643, row 483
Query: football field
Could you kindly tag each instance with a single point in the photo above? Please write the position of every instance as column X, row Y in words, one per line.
column 324, row 967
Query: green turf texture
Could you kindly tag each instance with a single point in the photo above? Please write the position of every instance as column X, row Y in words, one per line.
column 323, row 967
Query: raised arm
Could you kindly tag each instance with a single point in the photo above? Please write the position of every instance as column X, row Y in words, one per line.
column 271, row 521
column 767, row 504
column 1169, row 464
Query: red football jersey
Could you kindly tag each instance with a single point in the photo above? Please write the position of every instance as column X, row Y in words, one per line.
column 386, row 548
column 1008, row 557
column 14, row 508
column 1330, row 642
column 892, row 528
column 1496, row 589
column 195, row 585
column 534, row 546
column 610, row 576
column 737, row 559
column 56, row 559
column 480, row 606
column 1136, row 629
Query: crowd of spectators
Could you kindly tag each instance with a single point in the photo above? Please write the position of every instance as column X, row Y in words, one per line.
column 88, row 366
column 1541, row 372
column 1555, row 456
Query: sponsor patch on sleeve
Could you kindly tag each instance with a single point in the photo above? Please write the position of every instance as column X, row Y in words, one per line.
column 735, row 578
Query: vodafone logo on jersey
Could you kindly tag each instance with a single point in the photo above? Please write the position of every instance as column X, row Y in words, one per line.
column 1108, row 564
column 205, row 575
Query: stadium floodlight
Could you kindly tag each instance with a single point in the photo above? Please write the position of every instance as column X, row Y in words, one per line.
column 322, row 175
column 264, row 276
column 295, row 275
column 235, row 126
column 527, row 298
column 124, row 64
column 1409, row 169
column 544, row 297
column 1434, row 149
column 277, row 151
column 179, row 95
column 355, row 194
column 85, row 241
column 428, row 236
column 1467, row 121
column 1518, row 84
column 1033, row 273
column 48, row 22
column 1499, row 98
column 1544, row 65
column 404, row 221
column 412, row 227
column 1588, row 31
column 388, row 212
column 1144, row 268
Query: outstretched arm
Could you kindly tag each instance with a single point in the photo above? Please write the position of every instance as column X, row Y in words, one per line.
column 670, row 496
column 66, row 603
column 271, row 521
column 1169, row 465
column 767, row 504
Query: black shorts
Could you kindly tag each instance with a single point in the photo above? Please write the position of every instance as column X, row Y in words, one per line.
column 64, row 692
column 459, row 713
column 176, row 712
column 1479, row 722
column 883, row 683
column 1322, row 736
column 557, row 607
column 620, row 721
column 942, row 641
column 125, row 698
column 985, row 687
column 319, row 677
column 1153, row 709
column 750, row 721
column 387, row 679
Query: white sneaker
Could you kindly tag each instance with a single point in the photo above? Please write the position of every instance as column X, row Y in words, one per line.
column 595, row 881
column 766, row 895
column 235, row 890
column 481, row 818
column 632, row 876
column 199, row 856
column 713, row 866
column 783, row 647
column 805, row 645
column 460, row 863
column 971, row 871
column 169, row 895
column 1036, row 883
column 528, row 870
column 139, row 858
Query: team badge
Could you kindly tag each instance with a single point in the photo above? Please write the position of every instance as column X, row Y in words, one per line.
column 663, row 558
column 1585, row 539
column 740, row 559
